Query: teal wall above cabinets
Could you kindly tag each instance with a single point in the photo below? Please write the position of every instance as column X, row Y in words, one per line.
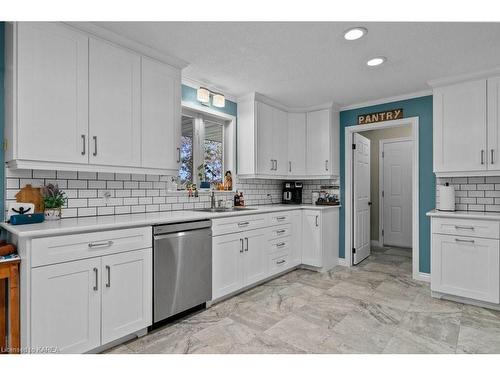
column 189, row 95
column 417, row 107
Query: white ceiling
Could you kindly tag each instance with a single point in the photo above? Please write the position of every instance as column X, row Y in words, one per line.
column 310, row 63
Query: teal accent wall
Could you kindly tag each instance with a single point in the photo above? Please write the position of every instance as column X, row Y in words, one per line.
column 189, row 95
column 2, row 113
column 417, row 107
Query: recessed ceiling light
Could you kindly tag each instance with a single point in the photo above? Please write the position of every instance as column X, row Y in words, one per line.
column 355, row 33
column 376, row 61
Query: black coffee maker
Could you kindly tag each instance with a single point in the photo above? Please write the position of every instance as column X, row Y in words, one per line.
column 292, row 192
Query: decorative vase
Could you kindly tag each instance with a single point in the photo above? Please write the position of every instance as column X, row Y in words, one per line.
column 52, row 213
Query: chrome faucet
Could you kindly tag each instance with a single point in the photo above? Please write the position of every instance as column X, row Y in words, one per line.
column 212, row 200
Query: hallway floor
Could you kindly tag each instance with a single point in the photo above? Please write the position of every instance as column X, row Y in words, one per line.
column 375, row 307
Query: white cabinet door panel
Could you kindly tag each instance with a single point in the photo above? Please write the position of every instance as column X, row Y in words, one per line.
column 296, row 254
column 466, row 267
column 66, row 306
column 311, row 239
column 296, row 144
column 126, row 293
column 227, row 263
column 255, row 256
column 280, row 142
column 114, row 105
column 493, row 123
column 460, row 127
column 52, row 93
column 265, row 158
column 318, row 143
column 161, row 103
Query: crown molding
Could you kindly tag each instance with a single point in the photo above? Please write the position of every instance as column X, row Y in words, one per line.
column 264, row 99
column 195, row 84
column 370, row 103
column 111, row 36
column 464, row 77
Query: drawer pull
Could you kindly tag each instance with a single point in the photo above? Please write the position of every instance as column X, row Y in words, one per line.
column 94, row 245
column 280, row 218
column 464, row 227
column 108, row 283
column 243, row 223
column 96, row 273
column 241, row 243
column 281, row 244
column 281, row 261
column 281, row 231
column 467, row 241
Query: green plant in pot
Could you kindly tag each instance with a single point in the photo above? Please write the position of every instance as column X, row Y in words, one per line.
column 203, row 170
column 53, row 200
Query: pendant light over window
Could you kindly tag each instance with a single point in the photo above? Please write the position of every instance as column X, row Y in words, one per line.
column 203, row 96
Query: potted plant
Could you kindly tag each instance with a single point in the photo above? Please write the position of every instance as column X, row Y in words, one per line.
column 53, row 200
column 202, row 173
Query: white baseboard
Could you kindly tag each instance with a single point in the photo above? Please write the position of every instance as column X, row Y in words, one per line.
column 342, row 262
column 422, row 276
column 375, row 243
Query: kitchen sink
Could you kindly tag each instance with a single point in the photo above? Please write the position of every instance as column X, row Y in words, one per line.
column 222, row 209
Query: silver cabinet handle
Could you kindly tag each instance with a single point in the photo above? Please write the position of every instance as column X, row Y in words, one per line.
column 94, row 245
column 281, row 244
column 246, row 239
column 280, row 218
column 108, row 283
column 280, row 261
column 326, row 165
column 467, row 241
column 317, row 220
column 96, row 272
column 241, row 245
column 289, row 166
column 272, row 164
column 482, row 156
column 275, row 164
column 492, row 158
column 281, row 231
column 178, row 155
column 84, row 151
column 464, row 227
column 243, row 223
column 95, row 145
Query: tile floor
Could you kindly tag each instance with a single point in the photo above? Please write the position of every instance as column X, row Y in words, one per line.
column 375, row 307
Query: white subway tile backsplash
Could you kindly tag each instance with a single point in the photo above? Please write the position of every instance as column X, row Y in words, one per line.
column 89, row 211
column 96, row 184
column 474, row 193
column 87, row 175
column 77, row 184
column 67, row 175
column 105, row 176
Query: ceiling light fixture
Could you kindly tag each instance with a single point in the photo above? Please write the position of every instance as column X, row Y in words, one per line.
column 376, row 61
column 203, row 95
column 355, row 33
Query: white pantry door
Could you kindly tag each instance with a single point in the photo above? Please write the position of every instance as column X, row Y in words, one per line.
column 361, row 202
column 397, row 192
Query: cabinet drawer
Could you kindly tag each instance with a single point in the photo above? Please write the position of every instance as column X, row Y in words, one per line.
column 238, row 224
column 280, row 231
column 279, row 244
column 466, row 267
column 279, row 262
column 466, row 227
column 59, row 249
column 277, row 218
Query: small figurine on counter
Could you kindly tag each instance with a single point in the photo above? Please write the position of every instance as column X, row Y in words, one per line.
column 228, row 181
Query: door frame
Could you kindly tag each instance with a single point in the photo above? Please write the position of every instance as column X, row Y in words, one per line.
column 349, row 131
column 382, row 142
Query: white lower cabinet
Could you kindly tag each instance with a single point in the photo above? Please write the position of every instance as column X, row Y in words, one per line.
column 255, row 256
column 311, row 238
column 320, row 239
column 466, row 267
column 80, row 305
column 126, row 293
column 66, row 306
column 467, row 263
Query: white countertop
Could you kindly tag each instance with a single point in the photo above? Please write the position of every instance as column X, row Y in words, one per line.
column 96, row 223
column 465, row 215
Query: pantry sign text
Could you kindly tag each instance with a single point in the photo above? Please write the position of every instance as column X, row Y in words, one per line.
column 370, row 118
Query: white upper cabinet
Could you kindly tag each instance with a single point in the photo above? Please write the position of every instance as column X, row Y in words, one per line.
column 459, row 124
column 51, row 120
column 275, row 143
column 296, row 144
column 318, row 142
column 161, row 103
column 75, row 101
column 493, row 93
column 114, row 105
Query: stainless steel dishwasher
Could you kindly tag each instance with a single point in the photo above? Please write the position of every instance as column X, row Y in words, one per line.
column 182, row 266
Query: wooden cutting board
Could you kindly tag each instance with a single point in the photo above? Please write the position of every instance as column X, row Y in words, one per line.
column 30, row 194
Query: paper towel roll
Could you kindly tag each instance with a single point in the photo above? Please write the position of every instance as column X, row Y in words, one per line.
column 446, row 198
